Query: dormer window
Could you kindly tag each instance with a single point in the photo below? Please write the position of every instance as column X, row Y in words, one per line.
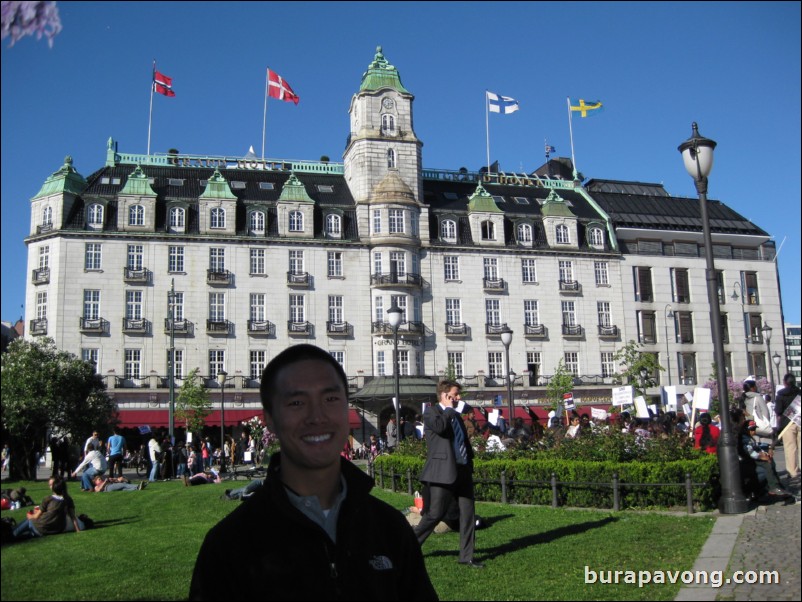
column 256, row 222
column 94, row 215
column 390, row 158
column 236, row 185
column 177, row 218
column 296, row 221
column 266, row 186
column 334, row 225
column 488, row 230
column 524, row 233
column 448, row 230
column 563, row 235
column 596, row 237
column 218, row 218
column 47, row 216
column 388, row 124
column 136, row 215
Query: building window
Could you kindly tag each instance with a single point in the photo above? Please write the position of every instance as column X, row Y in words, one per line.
column 47, row 216
column 456, row 364
column 725, row 331
column 377, row 264
column 336, row 309
column 178, row 306
column 684, row 320
column 133, row 305
column 529, row 270
column 600, row 269
column 136, row 215
column 490, row 268
column 414, row 225
column 566, row 271
column 492, row 312
column 451, row 267
column 256, row 222
column 177, row 218
column 217, row 259
column 749, row 282
column 334, row 225
column 91, row 356
column 296, row 221
column 297, row 309
column 643, row 284
column 258, row 310
column 217, row 362
column 378, row 313
column 91, row 305
column 722, row 293
column 335, row 264
column 495, row 365
column 377, row 221
column 257, row 364
column 687, row 368
column 531, row 312
column 603, row 311
column 396, row 221
column 596, row 237
column 217, row 218
column 94, row 215
column 339, row 357
column 388, row 124
column 563, row 235
column 524, row 232
column 390, row 158
column 133, row 364
column 92, row 256
column 41, row 305
column 258, row 262
column 381, row 368
column 569, row 313
column 453, row 312
column 403, row 362
column 135, row 253
column 647, row 327
column 178, row 363
column 607, row 364
column 679, row 283
column 448, row 230
column 488, row 230
column 755, row 322
column 175, row 260
column 296, row 262
column 398, row 264
column 217, row 307
column 534, row 362
column 44, row 257
column 572, row 362
column 401, row 302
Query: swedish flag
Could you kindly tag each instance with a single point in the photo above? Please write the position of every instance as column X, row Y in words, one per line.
column 585, row 108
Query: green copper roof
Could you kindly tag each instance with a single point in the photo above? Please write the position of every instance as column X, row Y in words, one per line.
column 217, row 188
column 554, row 206
column 481, row 200
column 381, row 74
column 294, row 191
column 65, row 179
column 138, row 184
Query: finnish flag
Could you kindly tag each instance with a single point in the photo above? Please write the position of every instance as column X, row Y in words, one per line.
column 501, row 104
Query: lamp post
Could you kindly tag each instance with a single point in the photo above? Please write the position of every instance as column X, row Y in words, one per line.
column 171, row 417
column 506, row 338
column 766, row 330
column 777, row 359
column 394, row 317
column 221, row 378
column 669, row 313
column 697, row 154
column 735, row 297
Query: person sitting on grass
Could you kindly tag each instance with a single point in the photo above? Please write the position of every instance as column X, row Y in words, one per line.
column 204, row 478
column 116, row 484
column 51, row 517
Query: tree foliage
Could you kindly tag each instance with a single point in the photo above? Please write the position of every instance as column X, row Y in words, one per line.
column 560, row 383
column 193, row 405
column 632, row 362
column 46, row 390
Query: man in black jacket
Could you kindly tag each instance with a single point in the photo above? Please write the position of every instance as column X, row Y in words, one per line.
column 312, row 531
column 790, row 439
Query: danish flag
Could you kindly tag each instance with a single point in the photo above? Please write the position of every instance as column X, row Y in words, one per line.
column 277, row 87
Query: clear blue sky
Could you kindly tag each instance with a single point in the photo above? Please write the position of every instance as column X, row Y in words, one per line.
column 733, row 67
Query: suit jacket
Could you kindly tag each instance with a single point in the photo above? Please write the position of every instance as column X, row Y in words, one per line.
column 441, row 461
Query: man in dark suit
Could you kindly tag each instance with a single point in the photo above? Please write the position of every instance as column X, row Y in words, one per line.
column 448, row 470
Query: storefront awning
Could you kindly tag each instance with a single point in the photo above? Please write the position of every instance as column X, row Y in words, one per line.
column 160, row 418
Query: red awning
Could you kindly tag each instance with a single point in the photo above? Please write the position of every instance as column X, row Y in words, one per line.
column 160, row 418
column 354, row 419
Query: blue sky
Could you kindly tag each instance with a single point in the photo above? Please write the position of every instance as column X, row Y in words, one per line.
column 732, row 67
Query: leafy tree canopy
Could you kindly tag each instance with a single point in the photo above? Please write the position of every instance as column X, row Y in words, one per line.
column 560, row 383
column 637, row 368
column 193, row 404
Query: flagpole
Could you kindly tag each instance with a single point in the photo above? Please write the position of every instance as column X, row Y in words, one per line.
column 264, row 119
column 150, row 115
column 487, row 133
column 571, row 132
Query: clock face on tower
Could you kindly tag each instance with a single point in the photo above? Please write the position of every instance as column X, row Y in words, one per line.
column 388, row 103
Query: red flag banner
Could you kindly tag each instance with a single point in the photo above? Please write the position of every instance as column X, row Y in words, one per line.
column 163, row 84
column 277, row 87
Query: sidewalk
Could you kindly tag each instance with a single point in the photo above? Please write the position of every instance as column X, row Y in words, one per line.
column 764, row 539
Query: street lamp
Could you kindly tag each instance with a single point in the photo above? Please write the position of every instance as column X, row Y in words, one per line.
column 221, row 378
column 735, row 297
column 766, row 330
column 394, row 317
column 171, row 417
column 697, row 154
column 506, row 338
column 777, row 359
column 669, row 313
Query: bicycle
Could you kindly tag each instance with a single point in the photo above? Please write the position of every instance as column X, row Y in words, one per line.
column 140, row 463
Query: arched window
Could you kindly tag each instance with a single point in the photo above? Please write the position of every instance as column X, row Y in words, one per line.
column 256, row 222
column 488, row 230
column 388, row 124
column 390, row 158
column 448, row 230
column 524, row 233
column 334, row 225
column 296, row 221
column 94, row 215
column 177, row 218
column 596, row 237
column 218, row 218
column 47, row 216
column 136, row 215
column 563, row 236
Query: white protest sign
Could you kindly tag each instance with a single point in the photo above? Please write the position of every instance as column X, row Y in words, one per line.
column 640, row 407
column 492, row 417
column 653, row 409
column 793, row 411
column 689, row 397
column 670, row 398
column 622, row 395
column 460, row 406
column 598, row 414
column 701, row 399
column 686, row 408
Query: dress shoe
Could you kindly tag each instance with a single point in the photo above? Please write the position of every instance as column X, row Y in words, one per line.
column 473, row 564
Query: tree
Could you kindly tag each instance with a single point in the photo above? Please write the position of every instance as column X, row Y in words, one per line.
column 193, row 403
column 637, row 368
column 560, row 383
column 28, row 18
column 45, row 390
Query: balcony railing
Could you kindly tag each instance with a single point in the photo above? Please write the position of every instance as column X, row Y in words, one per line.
column 608, row 331
column 648, row 339
column 406, row 279
column 457, row 330
column 495, row 328
column 40, row 276
column 405, row 328
column 494, row 284
column 222, row 277
column 298, row 278
column 572, row 330
column 44, row 228
column 339, row 329
column 38, row 327
column 136, row 326
column 570, row 286
column 218, row 327
column 535, row 330
column 756, row 338
column 299, row 328
column 263, row 327
column 93, row 325
column 180, row 327
column 140, row 276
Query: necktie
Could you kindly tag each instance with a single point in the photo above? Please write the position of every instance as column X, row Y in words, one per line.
column 460, row 450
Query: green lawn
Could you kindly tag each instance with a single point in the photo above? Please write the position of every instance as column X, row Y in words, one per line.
column 146, row 542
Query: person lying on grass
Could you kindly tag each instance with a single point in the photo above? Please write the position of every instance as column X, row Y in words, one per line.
column 116, row 484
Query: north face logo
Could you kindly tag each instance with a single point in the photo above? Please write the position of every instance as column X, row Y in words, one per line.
column 380, row 563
